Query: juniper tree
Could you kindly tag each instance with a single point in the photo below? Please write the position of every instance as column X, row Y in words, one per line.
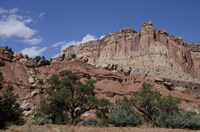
column 68, row 96
column 151, row 103
column 10, row 111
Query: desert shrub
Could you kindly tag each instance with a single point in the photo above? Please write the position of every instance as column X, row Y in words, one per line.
column 195, row 88
column 43, row 58
column 151, row 104
column 73, row 56
column 123, row 114
column 9, row 49
column 121, row 117
column 102, row 115
column 40, row 82
column 180, row 120
column 186, row 86
column 90, row 122
column 69, row 59
column 65, row 94
column 126, row 73
column 10, row 111
column 42, row 120
column 38, row 58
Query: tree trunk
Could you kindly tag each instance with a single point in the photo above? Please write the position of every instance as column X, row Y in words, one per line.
column 72, row 118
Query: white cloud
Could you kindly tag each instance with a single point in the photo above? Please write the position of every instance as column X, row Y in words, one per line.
column 102, row 36
column 55, row 56
column 10, row 11
column 13, row 25
column 65, row 44
column 58, row 43
column 41, row 14
column 33, row 51
column 33, row 41
column 88, row 37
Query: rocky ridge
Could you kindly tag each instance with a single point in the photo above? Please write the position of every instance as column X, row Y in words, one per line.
column 132, row 51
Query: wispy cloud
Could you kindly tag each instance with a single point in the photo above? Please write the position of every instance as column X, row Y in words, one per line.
column 102, row 36
column 34, row 51
column 41, row 14
column 65, row 44
column 13, row 25
column 58, row 43
column 10, row 11
column 55, row 56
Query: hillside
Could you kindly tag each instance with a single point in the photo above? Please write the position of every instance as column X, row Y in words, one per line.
column 24, row 75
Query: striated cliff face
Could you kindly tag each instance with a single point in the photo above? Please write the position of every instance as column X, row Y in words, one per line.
column 195, row 53
column 137, row 50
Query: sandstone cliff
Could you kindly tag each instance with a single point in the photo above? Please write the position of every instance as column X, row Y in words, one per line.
column 144, row 50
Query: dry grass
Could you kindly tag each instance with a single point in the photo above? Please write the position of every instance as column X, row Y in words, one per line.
column 65, row 128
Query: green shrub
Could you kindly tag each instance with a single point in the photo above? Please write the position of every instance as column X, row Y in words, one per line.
column 9, row 49
column 40, row 82
column 126, row 73
column 102, row 115
column 122, row 118
column 69, row 59
column 195, row 88
column 181, row 120
column 43, row 119
column 38, row 58
column 90, row 122
column 186, row 86
column 73, row 56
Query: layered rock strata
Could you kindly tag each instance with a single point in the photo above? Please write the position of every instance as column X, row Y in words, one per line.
column 136, row 49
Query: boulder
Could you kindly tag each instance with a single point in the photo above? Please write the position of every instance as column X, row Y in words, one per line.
column 18, row 55
column 30, row 72
column 34, row 85
column 168, row 84
column 85, row 59
column 86, row 114
column 127, row 69
column 114, row 71
column 158, row 80
column 110, row 67
column 28, row 113
column 105, row 66
column 27, row 96
column 25, row 106
column 31, row 80
column 33, row 93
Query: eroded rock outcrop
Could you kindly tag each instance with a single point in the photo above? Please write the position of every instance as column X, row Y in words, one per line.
column 129, row 48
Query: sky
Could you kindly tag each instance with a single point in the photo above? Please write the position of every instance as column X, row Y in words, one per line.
column 45, row 27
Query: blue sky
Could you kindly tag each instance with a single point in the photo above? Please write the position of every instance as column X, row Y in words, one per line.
column 45, row 27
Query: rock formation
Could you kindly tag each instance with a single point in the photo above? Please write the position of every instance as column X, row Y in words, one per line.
column 138, row 50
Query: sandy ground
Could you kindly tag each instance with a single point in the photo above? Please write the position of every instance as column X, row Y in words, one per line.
column 64, row 128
